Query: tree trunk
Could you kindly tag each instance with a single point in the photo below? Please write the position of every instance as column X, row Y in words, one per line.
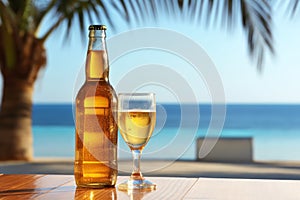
column 16, row 141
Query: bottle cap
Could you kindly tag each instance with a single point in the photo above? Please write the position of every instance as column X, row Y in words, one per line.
column 97, row 27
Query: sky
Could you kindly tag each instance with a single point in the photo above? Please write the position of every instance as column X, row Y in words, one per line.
column 240, row 80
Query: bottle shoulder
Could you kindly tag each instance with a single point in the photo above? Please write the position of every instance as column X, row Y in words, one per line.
column 96, row 88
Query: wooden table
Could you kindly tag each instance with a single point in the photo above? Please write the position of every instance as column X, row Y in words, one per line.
column 63, row 187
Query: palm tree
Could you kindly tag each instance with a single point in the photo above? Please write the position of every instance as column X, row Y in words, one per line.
column 23, row 54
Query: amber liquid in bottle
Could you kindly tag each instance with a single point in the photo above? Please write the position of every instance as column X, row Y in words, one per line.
column 96, row 128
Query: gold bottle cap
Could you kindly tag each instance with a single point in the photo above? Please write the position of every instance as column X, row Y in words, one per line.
column 97, row 27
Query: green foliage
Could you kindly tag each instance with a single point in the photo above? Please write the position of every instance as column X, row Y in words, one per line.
column 19, row 17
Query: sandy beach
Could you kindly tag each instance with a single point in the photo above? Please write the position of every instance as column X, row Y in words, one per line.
column 180, row 168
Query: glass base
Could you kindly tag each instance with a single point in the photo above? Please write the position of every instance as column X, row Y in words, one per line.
column 137, row 184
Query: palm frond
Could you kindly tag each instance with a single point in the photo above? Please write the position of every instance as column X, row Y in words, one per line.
column 139, row 11
column 74, row 12
column 256, row 21
column 135, row 11
column 44, row 9
column 123, row 9
column 228, row 14
column 255, row 17
column 292, row 7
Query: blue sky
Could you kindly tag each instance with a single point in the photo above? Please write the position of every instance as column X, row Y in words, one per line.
column 278, row 83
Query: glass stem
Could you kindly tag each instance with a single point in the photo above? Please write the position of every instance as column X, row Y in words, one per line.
column 136, row 173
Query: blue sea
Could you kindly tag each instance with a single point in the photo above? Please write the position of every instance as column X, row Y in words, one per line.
column 275, row 130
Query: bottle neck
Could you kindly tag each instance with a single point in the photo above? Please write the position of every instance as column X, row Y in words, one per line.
column 97, row 68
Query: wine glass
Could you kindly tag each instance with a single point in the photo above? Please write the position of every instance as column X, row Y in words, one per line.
column 136, row 120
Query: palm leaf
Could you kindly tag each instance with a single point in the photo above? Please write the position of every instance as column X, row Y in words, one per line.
column 295, row 6
column 44, row 9
column 255, row 16
column 292, row 7
column 74, row 12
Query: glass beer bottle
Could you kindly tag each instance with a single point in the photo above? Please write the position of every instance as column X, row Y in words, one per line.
column 96, row 128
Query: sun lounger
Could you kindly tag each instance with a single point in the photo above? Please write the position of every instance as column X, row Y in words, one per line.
column 225, row 149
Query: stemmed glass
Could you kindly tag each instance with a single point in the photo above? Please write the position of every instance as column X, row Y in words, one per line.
column 136, row 120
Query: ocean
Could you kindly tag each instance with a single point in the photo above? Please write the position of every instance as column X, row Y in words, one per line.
column 275, row 130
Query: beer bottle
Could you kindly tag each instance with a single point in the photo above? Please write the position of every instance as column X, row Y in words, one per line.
column 96, row 128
